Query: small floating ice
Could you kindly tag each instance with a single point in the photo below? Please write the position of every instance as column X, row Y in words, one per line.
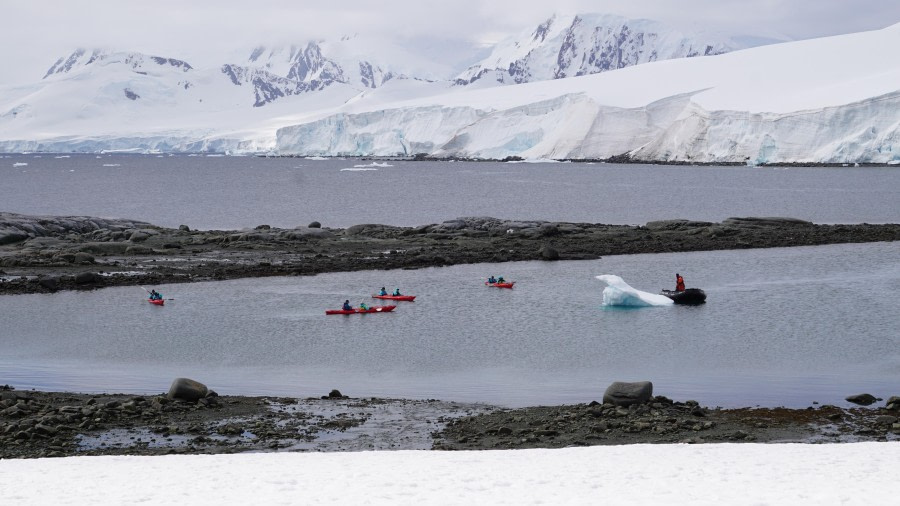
column 112, row 164
column 620, row 293
column 62, row 156
column 316, row 158
column 20, row 164
column 359, row 169
column 373, row 164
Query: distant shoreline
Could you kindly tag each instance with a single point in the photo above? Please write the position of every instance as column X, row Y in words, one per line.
column 43, row 254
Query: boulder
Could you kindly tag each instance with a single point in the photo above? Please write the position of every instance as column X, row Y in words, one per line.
column 83, row 258
column 87, row 278
column 549, row 253
column 862, row 399
column 50, row 283
column 314, row 224
column 186, row 389
column 625, row 394
column 893, row 403
column 184, row 228
column 8, row 236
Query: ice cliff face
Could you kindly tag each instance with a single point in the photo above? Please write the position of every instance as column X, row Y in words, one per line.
column 675, row 129
column 580, row 45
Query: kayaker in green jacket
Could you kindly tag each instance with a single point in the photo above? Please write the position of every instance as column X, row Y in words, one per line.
column 363, row 306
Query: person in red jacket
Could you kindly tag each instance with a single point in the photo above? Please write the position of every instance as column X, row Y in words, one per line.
column 679, row 283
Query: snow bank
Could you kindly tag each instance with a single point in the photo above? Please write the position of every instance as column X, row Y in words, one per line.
column 714, row 474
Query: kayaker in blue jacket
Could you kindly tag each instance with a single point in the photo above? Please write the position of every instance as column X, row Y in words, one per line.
column 154, row 295
column 396, row 292
column 347, row 306
column 383, row 291
column 492, row 279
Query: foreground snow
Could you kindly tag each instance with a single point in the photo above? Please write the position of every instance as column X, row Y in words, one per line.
column 862, row 473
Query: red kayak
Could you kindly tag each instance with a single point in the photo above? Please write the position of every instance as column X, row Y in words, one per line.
column 508, row 284
column 158, row 302
column 409, row 298
column 374, row 309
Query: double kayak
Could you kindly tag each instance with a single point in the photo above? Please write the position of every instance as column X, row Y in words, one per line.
column 374, row 309
column 689, row 296
column 409, row 298
column 508, row 284
column 158, row 302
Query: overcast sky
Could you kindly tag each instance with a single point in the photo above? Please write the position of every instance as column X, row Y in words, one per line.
column 36, row 32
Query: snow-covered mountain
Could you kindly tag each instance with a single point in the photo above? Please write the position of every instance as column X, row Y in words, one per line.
column 577, row 45
column 788, row 102
column 825, row 100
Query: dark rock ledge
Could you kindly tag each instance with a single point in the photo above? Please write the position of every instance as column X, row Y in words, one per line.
column 40, row 254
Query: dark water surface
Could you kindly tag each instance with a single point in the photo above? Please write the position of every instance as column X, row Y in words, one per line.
column 785, row 326
column 236, row 192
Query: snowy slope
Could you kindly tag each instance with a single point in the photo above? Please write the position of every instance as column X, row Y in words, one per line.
column 833, row 99
column 576, row 45
column 707, row 474
column 788, row 102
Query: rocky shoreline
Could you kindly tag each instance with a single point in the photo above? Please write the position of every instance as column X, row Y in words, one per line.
column 56, row 424
column 43, row 254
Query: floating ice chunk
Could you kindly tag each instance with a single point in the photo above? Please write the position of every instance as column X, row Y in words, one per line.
column 620, row 293
column 20, row 164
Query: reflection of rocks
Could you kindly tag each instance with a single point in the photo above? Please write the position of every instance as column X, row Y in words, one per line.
column 131, row 253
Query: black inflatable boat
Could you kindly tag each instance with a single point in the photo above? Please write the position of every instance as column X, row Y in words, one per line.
column 689, row 296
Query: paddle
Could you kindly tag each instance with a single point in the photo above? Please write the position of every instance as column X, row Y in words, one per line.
column 148, row 291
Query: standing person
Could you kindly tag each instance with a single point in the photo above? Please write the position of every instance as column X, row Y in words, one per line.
column 679, row 283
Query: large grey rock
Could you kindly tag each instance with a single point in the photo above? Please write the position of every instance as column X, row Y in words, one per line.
column 87, row 278
column 622, row 393
column 893, row 403
column 186, row 389
column 862, row 399
column 307, row 233
column 549, row 253
column 11, row 236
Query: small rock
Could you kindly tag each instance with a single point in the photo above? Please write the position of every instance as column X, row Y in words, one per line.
column 87, row 278
column 862, row 399
column 315, row 224
column 885, row 420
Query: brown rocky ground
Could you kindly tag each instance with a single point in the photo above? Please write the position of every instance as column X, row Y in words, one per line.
column 40, row 254
column 54, row 424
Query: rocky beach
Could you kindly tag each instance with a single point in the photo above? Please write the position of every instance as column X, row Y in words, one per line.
column 37, row 424
column 42, row 254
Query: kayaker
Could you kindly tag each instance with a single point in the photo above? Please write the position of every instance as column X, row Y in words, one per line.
column 363, row 306
column 347, row 306
column 396, row 292
column 500, row 280
column 154, row 295
column 383, row 291
column 492, row 279
column 679, row 283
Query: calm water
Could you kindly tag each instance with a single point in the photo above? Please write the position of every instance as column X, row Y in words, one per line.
column 781, row 327
column 238, row 192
